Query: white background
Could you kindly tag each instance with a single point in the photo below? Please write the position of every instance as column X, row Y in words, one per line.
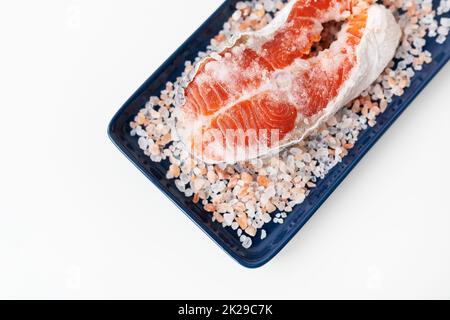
column 77, row 220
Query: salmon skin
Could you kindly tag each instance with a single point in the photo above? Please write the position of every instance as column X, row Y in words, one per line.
column 266, row 90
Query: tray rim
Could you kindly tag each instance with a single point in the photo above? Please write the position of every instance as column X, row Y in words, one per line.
column 253, row 264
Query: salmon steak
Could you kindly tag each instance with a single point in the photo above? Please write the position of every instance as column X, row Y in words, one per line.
column 269, row 89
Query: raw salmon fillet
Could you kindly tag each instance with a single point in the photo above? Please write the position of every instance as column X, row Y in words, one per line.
column 266, row 90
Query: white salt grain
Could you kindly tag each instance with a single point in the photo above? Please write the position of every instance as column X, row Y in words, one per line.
column 441, row 39
column 237, row 15
column 442, row 30
column 143, row 143
column 228, row 218
column 445, row 22
column 247, row 243
column 263, row 234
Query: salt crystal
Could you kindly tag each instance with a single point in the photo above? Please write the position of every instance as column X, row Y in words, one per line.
column 378, row 91
column 410, row 72
column 251, row 231
column 263, row 234
column 154, row 114
column 184, row 178
column 258, row 223
column 443, row 30
column 237, row 15
column 269, row 5
column 419, row 43
column 266, row 218
column 180, row 186
column 251, row 213
column 143, row 143
column 307, row 157
column 188, row 192
column 401, row 65
column 445, row 22
column 140, row 132
column 441, row 39
column 229, row 218
column 156, row 158
column 218, row 187
column 247, row 243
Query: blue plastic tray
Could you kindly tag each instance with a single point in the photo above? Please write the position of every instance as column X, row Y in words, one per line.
column 278, row 235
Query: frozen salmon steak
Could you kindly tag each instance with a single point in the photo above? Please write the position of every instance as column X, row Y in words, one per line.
column 270, row 89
